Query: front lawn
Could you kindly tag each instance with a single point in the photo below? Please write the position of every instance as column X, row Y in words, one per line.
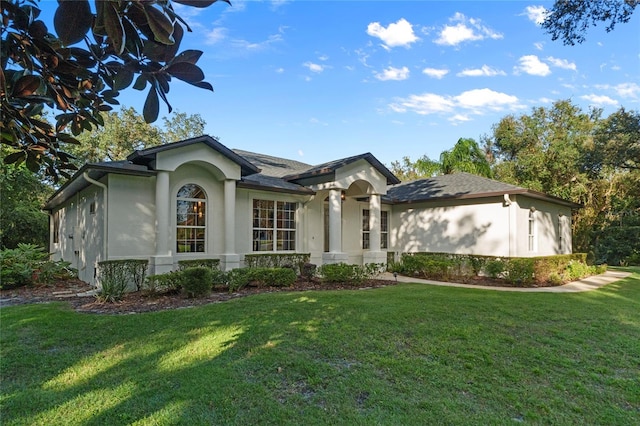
column 405, row 354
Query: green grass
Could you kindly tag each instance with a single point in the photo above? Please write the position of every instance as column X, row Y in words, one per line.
column 407, row 354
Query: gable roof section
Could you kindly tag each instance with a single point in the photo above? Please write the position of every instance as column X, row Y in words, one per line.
column 273, row 166
column 146, row 156
column 326, row 172
column 461, row 186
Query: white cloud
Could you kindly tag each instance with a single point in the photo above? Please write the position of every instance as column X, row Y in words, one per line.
column 476, row 101
column 562, row 63
column 435, row 72
column 216, row 35
column 323, row 58
column 256, row 46
column 627, row 90
column 280, row 70
column 485, row 71
column 458, row 118
column 317, row 68
column 538, row 45
column 536, row 14
column 314, row 120
column 531, row 64
column 300, row 153
column 396, row 34
column 392, row 73
column 599, row 100
column 465, row 29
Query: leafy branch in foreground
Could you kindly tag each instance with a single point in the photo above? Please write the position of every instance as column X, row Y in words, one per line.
column 97, row 53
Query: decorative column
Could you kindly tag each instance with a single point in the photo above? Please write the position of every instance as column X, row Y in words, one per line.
column 162, row 262
column 230, row 259
column 374, row 255
column 335, row 254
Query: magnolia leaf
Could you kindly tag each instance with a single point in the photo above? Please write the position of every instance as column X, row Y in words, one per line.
column 186, row 71
column 114, row 27
column 26, row 86
column 122, row 79
column 72, row 20
column 190, row 56
column 14, row 157
column 141, row 82
column 151, row 106
column 199, row 3
column 161, row 26
column 203, row 85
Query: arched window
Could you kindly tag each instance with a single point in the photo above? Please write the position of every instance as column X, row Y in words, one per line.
column 191, row 214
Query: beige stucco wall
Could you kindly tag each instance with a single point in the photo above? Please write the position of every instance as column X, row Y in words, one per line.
column 131, row 220
column 547, row 216
column 458, row 226
column 81, row 233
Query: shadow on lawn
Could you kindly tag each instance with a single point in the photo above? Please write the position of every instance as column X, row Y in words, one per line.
column 348, row 356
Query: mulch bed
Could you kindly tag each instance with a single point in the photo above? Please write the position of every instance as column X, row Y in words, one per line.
column 137, row 302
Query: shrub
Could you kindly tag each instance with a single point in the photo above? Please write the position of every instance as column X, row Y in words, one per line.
column 114, row 279
column 277, row 260
column 350, row 274
column 520, row 271
column 495, row 268
column 196, row 282
column 577, row 270
column 274, row 277
column 28, row 264
column 238, row 278
column 164, row 283
column 199, row 263
column 308, row 271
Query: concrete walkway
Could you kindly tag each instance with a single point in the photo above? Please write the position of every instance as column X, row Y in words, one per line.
column 586, row 284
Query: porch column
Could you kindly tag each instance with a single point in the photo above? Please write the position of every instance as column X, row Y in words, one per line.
column 162, row 262
column 163, row 206
column 230, row 259
column 335, row 221
column 335, row 254
column 374, row 254
column 374, row 222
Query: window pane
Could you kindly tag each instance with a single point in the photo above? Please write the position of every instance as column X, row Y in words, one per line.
column 286, row 240
column 365, row 220
column 191, row 191
column 191, row 213
column 262, row 240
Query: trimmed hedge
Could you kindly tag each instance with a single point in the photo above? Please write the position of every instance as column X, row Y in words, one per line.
column 523, row 271
column 277, row 260
column 199, row 263
column 347, row 273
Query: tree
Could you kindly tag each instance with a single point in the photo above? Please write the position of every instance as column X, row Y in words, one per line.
column 21, row 200
column 80, row 72
column 465, row 156
column 583, row 158
column 126, row 131
column 569, row 20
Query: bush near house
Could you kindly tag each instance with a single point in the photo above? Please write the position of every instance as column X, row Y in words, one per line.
column 278, row 260
column 29, row 264
column 197, row 282
column 523, row 271
column 116, row 276
column 350, row 274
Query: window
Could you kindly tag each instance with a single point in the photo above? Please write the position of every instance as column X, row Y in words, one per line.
column 191, row 209
column 532, row 230
column 384, row 229
column 274, row 225
column 56, row 227
column 92, row 207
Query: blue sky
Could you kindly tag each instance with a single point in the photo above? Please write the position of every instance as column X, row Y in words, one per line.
column 319, row 80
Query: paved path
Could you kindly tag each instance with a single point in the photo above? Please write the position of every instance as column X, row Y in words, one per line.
column 586, row 284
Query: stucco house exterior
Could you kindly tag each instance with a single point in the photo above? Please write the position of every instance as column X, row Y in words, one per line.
column 197, row 199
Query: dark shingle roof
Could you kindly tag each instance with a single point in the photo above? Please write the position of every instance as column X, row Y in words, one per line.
column 273, row 166
column 460, row 186
column 330, row 167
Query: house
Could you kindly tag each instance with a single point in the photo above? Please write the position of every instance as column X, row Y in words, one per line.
column 197, row 198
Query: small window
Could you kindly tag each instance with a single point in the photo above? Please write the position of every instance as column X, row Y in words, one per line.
column 92, row 207
column 366, row 231
column 56, row 227
column 191, row 214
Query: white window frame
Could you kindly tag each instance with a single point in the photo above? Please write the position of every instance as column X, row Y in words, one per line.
column 274, row 228
column 532, row 231
column 199, row 206
column 366, row 231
